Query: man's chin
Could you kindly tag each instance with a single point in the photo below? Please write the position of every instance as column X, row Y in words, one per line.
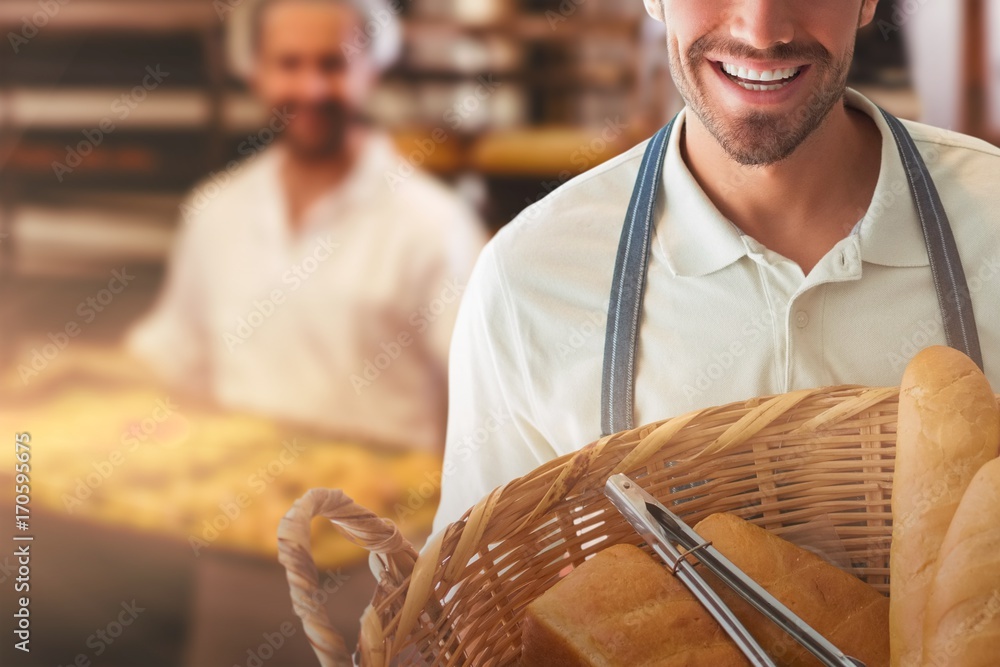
column 756, row 155
column 760, row 141
column 762, row 138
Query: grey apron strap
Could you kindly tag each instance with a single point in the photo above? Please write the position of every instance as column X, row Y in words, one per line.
column 946, row 265
column 625, row 308
column 628, row 285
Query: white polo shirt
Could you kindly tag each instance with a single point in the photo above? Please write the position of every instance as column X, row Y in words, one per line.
column 343, row 326
column 725, row 319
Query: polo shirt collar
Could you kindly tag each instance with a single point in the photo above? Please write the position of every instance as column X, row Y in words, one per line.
column 693, row 235
column 697, row 240
column 890, row 232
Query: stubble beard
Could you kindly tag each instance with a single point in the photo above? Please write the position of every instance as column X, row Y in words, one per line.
column 757, row 138
column 340, row 121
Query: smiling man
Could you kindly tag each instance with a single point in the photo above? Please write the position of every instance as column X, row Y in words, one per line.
column 309, row 286
column 781, row 233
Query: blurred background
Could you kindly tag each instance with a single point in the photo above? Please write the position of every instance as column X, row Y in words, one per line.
column 146, row 496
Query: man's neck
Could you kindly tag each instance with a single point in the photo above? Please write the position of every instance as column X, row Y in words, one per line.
column 802, row 206
column 306, row 178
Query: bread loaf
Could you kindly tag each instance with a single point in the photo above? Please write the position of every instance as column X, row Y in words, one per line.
column 623, row 608
column 962, row 620
column 841, row 607
column 948, row 427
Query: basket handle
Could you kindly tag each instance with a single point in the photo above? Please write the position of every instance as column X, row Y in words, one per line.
column 379, row 536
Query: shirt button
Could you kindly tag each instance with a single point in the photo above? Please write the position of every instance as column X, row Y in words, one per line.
column 801, row 319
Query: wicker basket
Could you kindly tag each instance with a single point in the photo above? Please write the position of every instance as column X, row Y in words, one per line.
column 822, row 455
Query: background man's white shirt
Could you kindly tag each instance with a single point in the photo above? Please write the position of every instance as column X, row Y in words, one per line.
column 724, row 318
column 345, row 325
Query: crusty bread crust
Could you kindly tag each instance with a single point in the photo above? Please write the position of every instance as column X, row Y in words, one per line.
column 962, row 620
column 948, row 427
column 623, row 607
column 841, row 607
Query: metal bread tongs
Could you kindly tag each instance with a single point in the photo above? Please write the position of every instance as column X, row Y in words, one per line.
column 667, row 534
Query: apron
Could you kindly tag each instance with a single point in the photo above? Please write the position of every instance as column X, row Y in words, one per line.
column 628, row 284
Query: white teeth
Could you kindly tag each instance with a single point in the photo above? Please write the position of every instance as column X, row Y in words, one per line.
column 761, row 76
column 750, row 86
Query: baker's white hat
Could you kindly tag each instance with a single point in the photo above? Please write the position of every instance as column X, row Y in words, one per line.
column 381, row 33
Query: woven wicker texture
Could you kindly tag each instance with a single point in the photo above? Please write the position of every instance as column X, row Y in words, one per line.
column 821, row 456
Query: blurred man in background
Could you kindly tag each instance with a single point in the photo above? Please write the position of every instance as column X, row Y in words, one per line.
column 313, row 287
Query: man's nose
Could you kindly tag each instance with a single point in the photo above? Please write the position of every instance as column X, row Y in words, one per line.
column 762, row 24
column 317, row 85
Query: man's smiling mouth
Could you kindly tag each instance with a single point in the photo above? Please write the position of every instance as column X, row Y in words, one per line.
column 768, row 80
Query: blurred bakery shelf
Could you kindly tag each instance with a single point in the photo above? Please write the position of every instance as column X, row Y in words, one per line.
column 109, row 112
column 45, row 163
column 155, row 16
column 548, row 26
column 527, row 87
column 80, row 237
column 545, row 152
column 530, row 53
column 79, row 111
column 117, row 108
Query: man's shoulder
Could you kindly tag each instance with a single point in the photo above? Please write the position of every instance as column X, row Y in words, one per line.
column 428, row 202
column 417, row 201
column 965, row 171
column 575, row 208
column 560, row 251
column 933, row 140
column 235, row 185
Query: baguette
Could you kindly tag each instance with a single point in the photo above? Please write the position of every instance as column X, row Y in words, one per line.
column 962, row 621
column 948, row 427
column 841, row 607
